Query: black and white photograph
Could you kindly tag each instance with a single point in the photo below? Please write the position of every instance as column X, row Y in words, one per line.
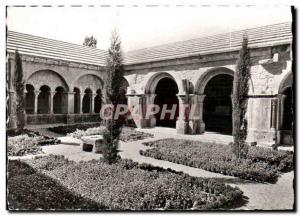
column 146, row 108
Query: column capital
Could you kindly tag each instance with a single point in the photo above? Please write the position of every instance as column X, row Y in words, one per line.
column 36, row 92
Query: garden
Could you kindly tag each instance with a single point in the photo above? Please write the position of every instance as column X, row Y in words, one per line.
column 125, row 185
column 127, row 134
column 261, row 164
column 28, row 142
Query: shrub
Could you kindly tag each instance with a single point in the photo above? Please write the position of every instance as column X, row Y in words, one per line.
column 66, row 129
column 127, row 185
column 261, row 164
column 28, row 143
column 127, row 134
column 30, row 190
column 23, row 144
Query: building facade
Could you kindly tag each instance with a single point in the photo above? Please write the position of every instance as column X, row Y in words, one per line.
column 64, row 82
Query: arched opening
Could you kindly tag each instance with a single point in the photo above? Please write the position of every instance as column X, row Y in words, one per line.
column 59, row 101
column 217, row 106
column 123, row 90
column 287, row 117
column 86, row 101
column 29, row 99
column 76, row 100
column 98, row 101
column 44, row 100
column 166, row 91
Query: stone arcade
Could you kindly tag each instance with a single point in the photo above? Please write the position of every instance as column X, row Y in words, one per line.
column 64, row 81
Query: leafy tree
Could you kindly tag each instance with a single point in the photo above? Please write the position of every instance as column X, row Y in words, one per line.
column 113, row 96
column 19, row 88
column 90, row 41
column 240, row 101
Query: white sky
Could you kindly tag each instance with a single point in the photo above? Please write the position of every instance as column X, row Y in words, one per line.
column 139, row 27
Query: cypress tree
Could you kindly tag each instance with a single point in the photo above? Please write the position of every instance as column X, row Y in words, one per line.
column 113, row 96
column 19, row 88
column 240, row 101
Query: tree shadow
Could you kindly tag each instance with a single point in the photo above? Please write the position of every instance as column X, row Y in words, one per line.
column 28, row 190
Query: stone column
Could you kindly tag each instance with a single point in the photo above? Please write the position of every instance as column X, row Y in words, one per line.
column 81, row 95
column 70, row 102
column 93, row 95
column 273, row 113
column 36, row 95
column 196, row 124
column 150, row 101
column 50, row 108
column 140, row 119
column 279, row 117
column 182, row 124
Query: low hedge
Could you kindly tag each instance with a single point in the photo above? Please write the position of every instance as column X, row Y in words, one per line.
column 127, row 185
column 128, row 133
column 261, row 164
column 30, row 190
column 28, row 143
column 66, row 129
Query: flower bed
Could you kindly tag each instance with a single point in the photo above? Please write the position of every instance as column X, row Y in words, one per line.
column 127, row 185
column 28, row 143
column 30, row 190
column 66, row 129
column 128, row 134
column 261, row 164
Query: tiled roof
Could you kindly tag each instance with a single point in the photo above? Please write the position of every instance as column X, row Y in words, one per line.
column 44, row 47
column 257, row 37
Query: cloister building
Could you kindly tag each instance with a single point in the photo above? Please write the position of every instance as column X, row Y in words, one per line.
column 64, row 81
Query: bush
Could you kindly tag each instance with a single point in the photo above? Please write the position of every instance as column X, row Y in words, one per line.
column 261, row 164
column 30, row 190
column 23, row 144
column 128, row 134
column 66, row 129
column 28, row 143
column 127, row 185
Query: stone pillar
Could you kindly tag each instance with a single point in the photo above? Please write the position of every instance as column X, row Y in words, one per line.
column 196, row 124
column 279, row 117
column 140, row 117
column 81, row 95
column 182, row 123
column 70, row 102
column 36, row 95
column 150, row 100
column 273, row 113
column 50, row 108
column 93, row 95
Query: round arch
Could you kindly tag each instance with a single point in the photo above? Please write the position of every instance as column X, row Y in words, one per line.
column 217, row 86
column 154, row 80
column 208, row 75
column 286, row 82
column 47, row 77
column 90, row 81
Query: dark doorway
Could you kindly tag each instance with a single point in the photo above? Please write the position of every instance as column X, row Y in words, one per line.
column 217, row 107
column 86, row 101
column 287, row 118
column 166, row 91
column 59, row 101
column 44, row 100
column 77, row 100
column 29, row 99
column 98, row 101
